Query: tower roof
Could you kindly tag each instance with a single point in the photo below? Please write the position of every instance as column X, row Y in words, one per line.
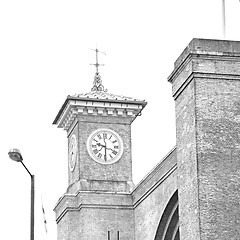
column 98, row 103
column 106, row 96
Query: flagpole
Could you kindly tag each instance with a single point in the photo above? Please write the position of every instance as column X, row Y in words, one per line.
column 44, row 217
column 224, row 19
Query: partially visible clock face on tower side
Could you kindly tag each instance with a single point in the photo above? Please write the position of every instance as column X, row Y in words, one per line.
column 72, row 154
column 105, row 146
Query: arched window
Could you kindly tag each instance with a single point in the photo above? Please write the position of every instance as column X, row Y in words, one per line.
column 168, row 228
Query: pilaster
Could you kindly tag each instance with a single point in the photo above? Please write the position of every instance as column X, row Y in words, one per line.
column 206, row 89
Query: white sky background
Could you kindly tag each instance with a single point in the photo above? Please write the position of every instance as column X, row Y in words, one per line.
column 45, row 56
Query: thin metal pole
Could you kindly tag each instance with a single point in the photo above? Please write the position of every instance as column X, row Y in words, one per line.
column 32, row 203
column 224, row 18
column 97, row 59
column 26, row 169
column 32, row 208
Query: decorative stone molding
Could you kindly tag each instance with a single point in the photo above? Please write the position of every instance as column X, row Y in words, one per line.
column 103, row 104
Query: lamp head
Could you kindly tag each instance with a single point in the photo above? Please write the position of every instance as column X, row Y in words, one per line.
column 15, row 155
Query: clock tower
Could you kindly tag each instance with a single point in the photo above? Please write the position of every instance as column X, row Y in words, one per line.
column 97, row 203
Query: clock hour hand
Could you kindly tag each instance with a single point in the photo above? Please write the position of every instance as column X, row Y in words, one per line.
column 99, row 144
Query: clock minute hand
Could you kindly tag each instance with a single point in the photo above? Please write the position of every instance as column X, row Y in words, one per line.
column 105, row 151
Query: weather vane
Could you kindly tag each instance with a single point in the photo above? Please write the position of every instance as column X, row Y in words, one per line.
column 97, row 84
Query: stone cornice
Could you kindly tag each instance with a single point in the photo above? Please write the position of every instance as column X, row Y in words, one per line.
column 193, row 56
column 215, row 47
column 198, row 75
column 205, row 56
column 92, row 199
column 74, row 106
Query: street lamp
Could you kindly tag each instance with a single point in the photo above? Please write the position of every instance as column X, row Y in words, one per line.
column 16, row 155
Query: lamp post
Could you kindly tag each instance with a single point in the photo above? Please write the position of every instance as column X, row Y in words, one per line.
column 16, row 155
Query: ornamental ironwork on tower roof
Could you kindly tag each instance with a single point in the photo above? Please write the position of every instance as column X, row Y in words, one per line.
column 106, row 96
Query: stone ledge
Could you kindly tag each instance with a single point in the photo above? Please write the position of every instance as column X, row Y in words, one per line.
column 207, row 56
column 211, row 47
column 73, row 107
column 92, row 199
column 101, row 185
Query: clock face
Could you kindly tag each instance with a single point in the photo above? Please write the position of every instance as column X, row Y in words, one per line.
column 105, row 146
column 72, row 152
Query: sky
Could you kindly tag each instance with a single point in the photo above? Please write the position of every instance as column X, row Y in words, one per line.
column 45, row 55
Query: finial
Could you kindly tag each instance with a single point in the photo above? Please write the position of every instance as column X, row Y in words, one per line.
column 97, row 84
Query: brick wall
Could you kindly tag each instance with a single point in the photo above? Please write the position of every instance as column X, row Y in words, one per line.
column 206, row 88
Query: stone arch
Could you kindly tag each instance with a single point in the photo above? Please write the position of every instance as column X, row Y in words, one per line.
column 168, row 228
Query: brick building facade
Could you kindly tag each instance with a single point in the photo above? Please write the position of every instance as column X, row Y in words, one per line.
column 193, row 193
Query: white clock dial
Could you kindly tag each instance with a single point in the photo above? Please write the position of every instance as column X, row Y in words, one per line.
column 72, row 152
column 105, row 146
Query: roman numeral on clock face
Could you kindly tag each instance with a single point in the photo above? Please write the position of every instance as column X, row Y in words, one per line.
column 104, row 135
column 114, row 152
